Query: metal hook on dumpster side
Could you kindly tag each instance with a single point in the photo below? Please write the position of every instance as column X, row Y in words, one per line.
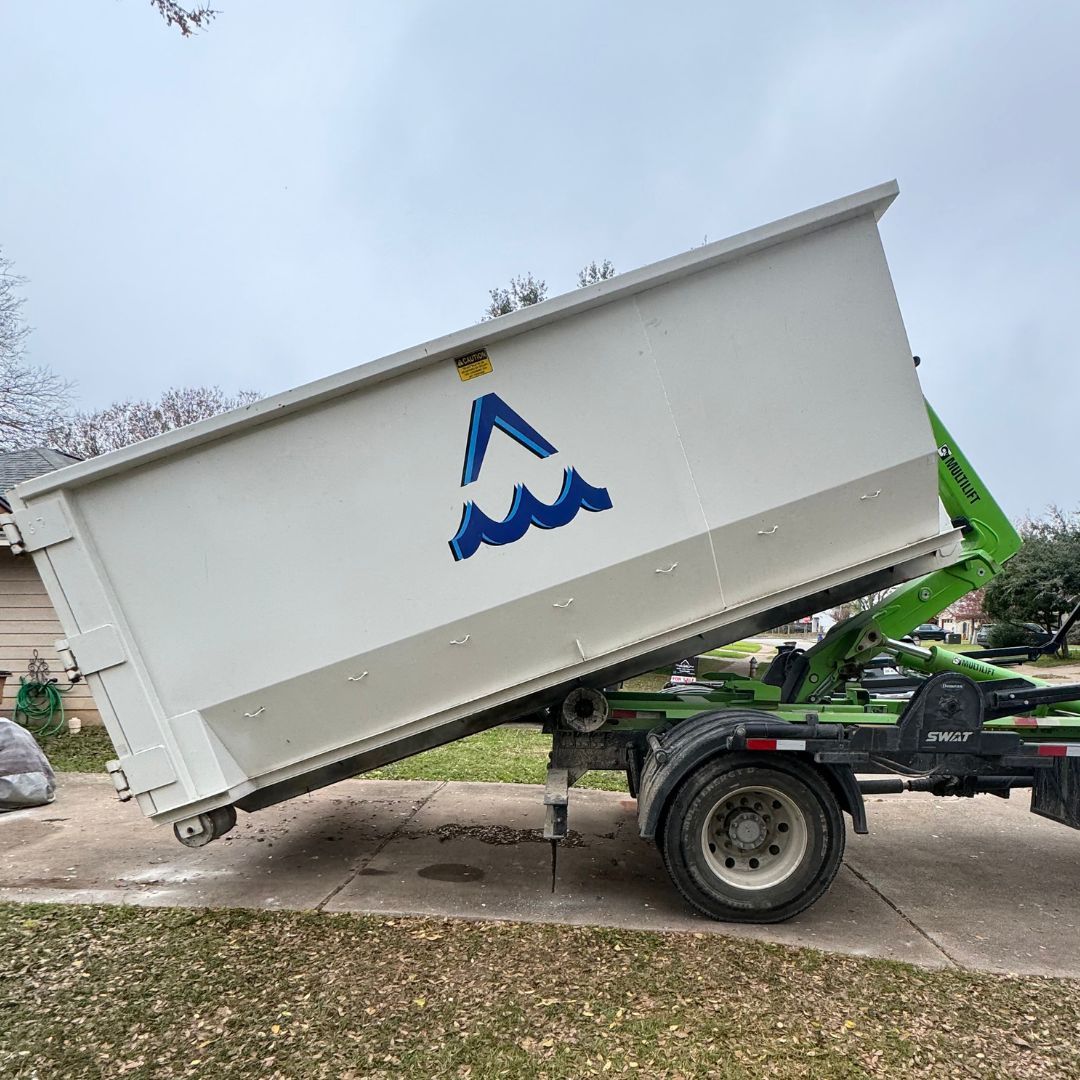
column 460, row 641
column 767, row 532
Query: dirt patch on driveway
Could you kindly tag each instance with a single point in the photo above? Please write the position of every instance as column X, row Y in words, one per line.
column 501, row 834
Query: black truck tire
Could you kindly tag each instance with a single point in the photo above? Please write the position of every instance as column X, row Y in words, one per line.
column 746, row 841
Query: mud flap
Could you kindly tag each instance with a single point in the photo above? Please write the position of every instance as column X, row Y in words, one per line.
column 848, row 794
column 1056, row 794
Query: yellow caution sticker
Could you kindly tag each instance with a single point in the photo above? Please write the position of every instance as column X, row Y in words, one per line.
column 473, row 365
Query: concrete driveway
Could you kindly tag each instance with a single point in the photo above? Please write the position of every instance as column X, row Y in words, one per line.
column 977, row 883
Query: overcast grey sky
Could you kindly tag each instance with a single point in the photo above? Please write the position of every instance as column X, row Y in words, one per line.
column 308, row 186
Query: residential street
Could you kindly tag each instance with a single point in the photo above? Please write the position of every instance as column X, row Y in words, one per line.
column 977, row 883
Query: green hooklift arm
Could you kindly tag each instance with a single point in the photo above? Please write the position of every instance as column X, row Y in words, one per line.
column 989, row 539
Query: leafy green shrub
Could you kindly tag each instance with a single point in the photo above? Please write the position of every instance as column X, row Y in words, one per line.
column 1004, row 635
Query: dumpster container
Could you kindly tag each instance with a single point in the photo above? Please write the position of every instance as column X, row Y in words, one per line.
column 463, row 532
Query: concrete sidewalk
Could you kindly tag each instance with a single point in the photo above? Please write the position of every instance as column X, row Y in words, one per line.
column 975, row 883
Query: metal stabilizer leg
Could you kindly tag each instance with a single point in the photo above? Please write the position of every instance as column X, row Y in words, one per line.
column 556, row 802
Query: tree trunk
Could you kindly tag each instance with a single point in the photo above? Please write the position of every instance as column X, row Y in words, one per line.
column 1064, row 651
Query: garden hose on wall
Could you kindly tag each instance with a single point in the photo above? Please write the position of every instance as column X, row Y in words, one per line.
column 39, row 700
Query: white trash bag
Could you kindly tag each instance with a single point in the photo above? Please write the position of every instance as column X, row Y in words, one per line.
column 26, row 777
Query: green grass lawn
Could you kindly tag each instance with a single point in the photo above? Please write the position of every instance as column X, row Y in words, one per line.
column 163, row 993
column 737, row 650
column 86, row 752
column 507, row 755
column 1059, row 661
column 650, row 683
column 745, row 647
column 1043, row 661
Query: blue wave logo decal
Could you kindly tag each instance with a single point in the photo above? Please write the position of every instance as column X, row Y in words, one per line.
column 488, row 413
column 477, row 528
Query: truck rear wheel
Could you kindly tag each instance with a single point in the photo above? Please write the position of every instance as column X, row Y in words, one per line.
column 750, row 843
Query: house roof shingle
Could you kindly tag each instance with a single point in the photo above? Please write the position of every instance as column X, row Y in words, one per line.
column 19, row 465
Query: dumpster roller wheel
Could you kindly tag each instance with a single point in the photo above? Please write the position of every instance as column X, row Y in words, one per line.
column 198, row 831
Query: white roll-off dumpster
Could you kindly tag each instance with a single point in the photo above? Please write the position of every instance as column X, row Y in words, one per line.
column 465, row 531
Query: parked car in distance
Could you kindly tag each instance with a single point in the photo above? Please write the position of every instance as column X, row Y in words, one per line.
column 884, row 677
column 1032, row 634
column 928, row 631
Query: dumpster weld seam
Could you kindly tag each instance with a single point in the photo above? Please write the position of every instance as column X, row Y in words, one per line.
column 911, row 922
column 643, row 327
column 376, row 851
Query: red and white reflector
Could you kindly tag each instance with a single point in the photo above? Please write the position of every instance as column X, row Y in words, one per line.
column 1059, row 750
column 775, row 744
column 635, row 714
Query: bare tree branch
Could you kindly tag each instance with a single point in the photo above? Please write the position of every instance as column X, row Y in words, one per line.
column 13, row 330
column 853, row 607
column 186, row 20
column 87, row 434
column 30, row 397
